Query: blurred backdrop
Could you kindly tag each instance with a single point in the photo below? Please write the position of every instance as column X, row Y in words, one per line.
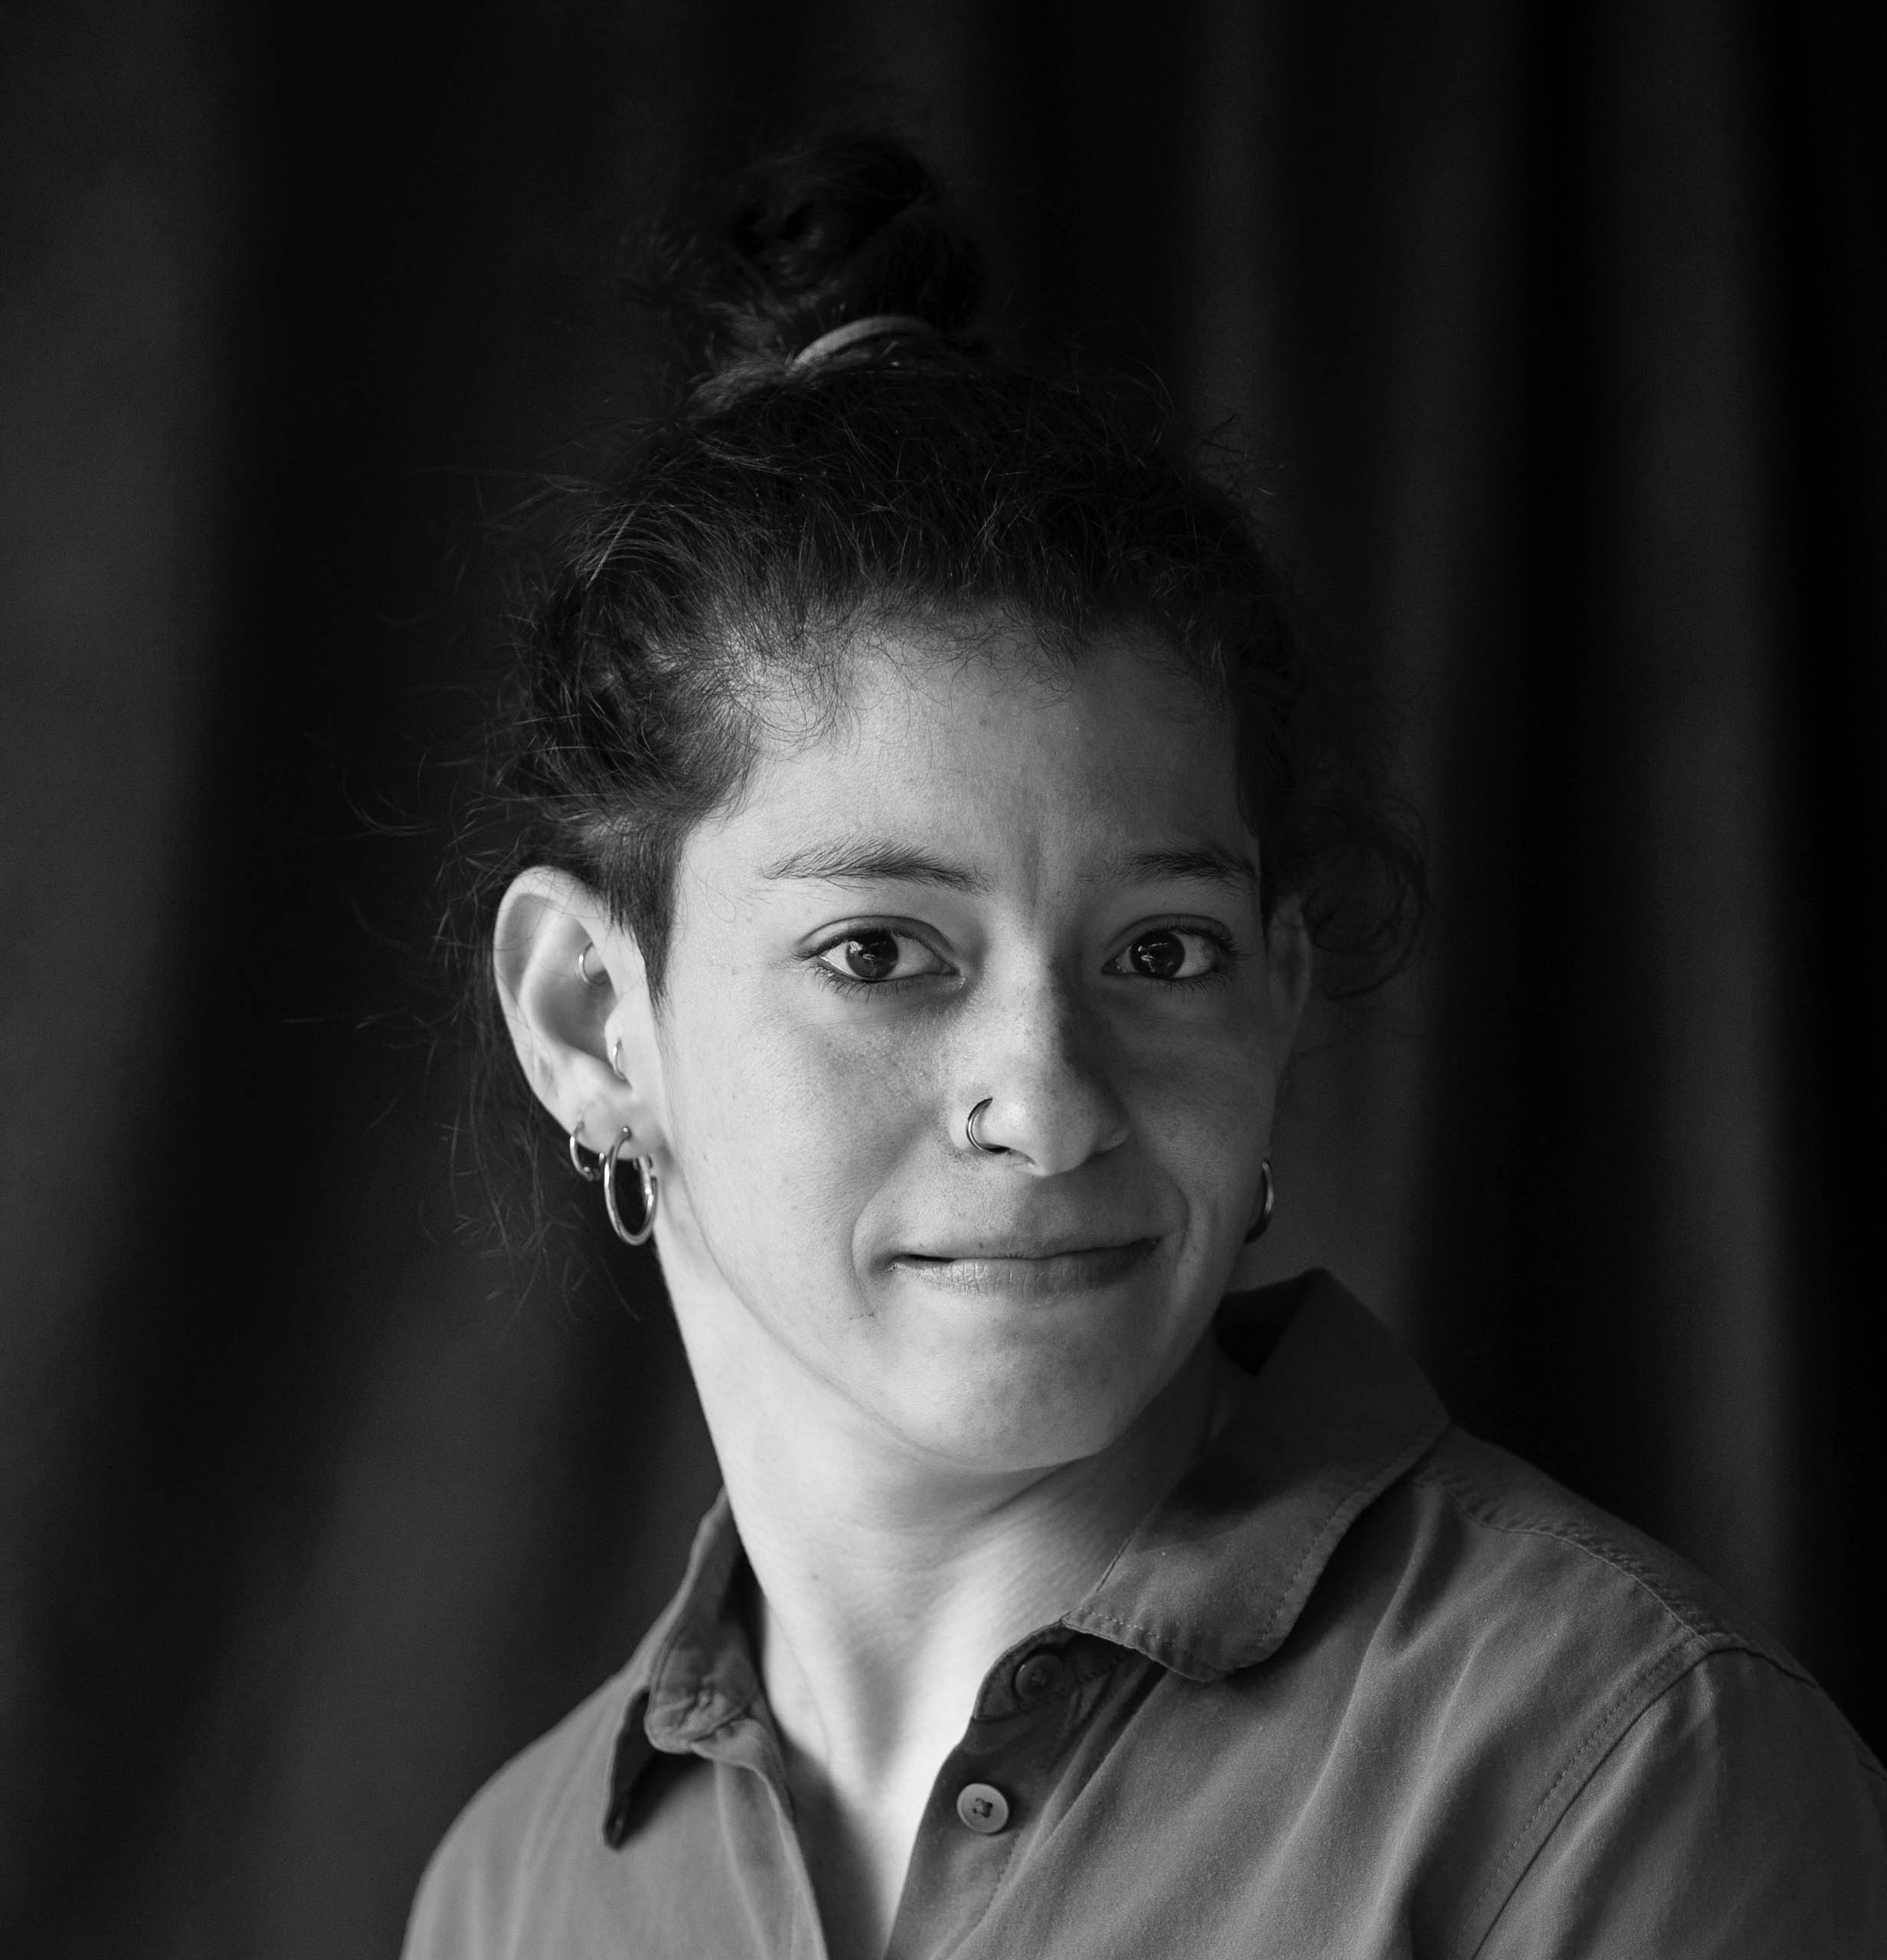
column 1558, row 333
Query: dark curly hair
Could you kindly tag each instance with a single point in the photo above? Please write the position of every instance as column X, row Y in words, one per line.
column 746, row 537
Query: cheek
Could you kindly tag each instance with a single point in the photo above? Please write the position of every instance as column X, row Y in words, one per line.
column 1203, row 1107
column 783, row 1130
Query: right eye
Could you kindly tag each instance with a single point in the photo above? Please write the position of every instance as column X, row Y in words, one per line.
column 877, row 954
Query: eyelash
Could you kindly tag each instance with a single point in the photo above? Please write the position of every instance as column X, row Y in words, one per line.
column 845, row 984
column 1214, row 936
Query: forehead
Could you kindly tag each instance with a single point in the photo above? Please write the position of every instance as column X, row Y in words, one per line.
column 990, row 741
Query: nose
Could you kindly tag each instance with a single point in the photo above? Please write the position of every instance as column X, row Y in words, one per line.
column 1038, row 1086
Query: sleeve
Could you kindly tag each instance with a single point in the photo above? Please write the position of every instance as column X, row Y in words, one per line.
column 1739, row 1815
column 488, row 1876
column 462, row 1908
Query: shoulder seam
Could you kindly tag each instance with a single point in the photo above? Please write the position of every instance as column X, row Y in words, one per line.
column 1696, row 1662
column 1592, row 1764
column 1617, row 1558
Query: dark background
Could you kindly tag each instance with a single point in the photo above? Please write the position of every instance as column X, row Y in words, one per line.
column 1557, row 331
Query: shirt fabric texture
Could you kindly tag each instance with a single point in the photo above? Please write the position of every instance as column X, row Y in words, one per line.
column 1359, row 1685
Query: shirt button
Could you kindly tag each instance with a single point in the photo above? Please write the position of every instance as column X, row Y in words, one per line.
column 1040, row 1674
column 983, row 1807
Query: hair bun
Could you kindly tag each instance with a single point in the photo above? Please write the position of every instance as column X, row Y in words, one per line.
column 805, row 239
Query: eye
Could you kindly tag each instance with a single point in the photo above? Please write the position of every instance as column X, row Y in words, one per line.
column 1172, row 952
column 878, row 954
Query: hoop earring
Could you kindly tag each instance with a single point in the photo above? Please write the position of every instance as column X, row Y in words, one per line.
column 1267, row 1205
column 588, row 1172
column 583, row 965
column 651, row 1193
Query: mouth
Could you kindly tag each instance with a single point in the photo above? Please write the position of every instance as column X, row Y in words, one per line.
column 1030, row 1274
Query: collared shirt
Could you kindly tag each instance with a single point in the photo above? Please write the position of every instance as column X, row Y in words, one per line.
column 1360, row 1686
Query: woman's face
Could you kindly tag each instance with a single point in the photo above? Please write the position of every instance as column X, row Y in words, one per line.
column 985, row 881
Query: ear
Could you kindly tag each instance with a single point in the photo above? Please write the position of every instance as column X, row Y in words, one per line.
column 564, row 1026
column 1290, row 958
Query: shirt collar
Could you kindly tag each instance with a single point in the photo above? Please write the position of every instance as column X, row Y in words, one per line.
column 694, row 1672
column 1215, row 1576
column 1213, row 1579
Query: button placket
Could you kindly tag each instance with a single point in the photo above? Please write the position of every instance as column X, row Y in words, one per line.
column 983, row 1807
column 1040, row 1674
column 973, row 1827
column 989, row 1796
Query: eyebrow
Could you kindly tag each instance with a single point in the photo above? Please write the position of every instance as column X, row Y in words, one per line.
column 854, row 862
column 1205, row 863
column 862, row 861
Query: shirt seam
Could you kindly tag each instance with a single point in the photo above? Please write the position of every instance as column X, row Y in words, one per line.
column 1617, row 1558
column 1707, row 1639
column 1330, row 1534
column 1336, row 1527
column 1592, row 1769
column 1586, row 1754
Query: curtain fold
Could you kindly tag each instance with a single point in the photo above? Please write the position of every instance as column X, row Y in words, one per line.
column 1553, row 338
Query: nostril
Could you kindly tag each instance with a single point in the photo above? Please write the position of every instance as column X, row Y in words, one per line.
column 975, row 1141
column 1050, row 1133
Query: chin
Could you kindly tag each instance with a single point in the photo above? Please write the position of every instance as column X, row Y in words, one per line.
column 1014, row 1413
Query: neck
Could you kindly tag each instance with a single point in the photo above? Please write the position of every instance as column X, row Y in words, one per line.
column 889, row 1582
column 887, row 1593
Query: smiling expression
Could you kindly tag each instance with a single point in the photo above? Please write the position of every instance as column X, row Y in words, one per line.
column 988, row 880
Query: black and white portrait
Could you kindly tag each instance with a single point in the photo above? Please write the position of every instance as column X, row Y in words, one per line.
column 940, row 1011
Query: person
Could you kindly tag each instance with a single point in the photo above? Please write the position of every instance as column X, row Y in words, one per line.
column 930, row 826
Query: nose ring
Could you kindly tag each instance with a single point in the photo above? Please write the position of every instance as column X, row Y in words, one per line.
column 976, row 1142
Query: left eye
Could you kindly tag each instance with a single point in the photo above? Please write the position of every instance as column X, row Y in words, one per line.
column 878, row 954
column 1172, row 953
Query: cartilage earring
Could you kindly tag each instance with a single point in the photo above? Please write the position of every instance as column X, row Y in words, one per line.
column 1266, row 1205
column 583, row 974
column 616, row 1059
column 646, row 1172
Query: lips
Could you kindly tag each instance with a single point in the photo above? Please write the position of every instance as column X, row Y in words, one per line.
column 1031, row 1246
column 1040, row 1272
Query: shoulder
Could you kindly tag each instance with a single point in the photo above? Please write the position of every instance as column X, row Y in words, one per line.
column 1735, row 1812
column 1524, row 1545
column 483, row 1875
column 1663, row 1763
column 1551, row 1585
column 1474, row 1568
